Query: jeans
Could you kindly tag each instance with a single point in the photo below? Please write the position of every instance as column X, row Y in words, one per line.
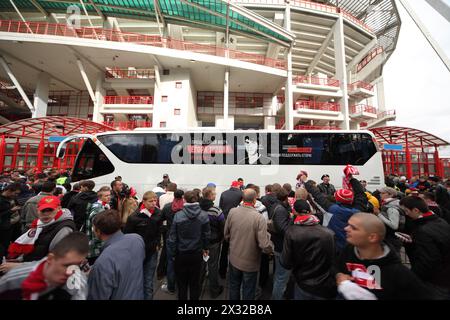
column 213, row 267
column 246, row 279
column 301, row 294
column 149, row 274
column 280, row 278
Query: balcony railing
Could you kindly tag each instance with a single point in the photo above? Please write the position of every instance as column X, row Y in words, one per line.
column 128, row 100
column 116, row 73
column 329, row 82
column 53, row 29
column 313, row 105
column 387, row 113
column 128, row 125
column 380, row 116
column 377, row 51
column 360, row 85
column 362, row 108
column 313, row 6
column 302, row 127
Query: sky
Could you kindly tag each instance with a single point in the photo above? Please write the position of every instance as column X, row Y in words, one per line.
column 417, row 83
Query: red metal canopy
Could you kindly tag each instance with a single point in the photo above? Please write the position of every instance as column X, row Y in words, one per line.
column 42, row 128
column 413, row 137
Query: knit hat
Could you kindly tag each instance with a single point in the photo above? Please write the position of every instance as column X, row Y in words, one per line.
column 344, row 196
column 302, row 207
column 235, row 184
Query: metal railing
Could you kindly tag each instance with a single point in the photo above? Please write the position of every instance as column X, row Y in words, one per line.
column 116, row 73
column 128, row 125
column 364, row 62
column 360, row 108
column 54, row 29
column 128, row 100
column 360, row 85
column 329, row 82
column 313, row 105
column 303, row 127
column 380, row 116
column 313, row 6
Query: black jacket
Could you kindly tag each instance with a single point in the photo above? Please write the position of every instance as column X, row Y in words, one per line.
column 429, row 252
column 48, row 233
column 115, row 199
column 149, row 228
column 190, row 231
column 216, row 220
column 67, row 197
column 327, row 189
column 310, row 252
column 78, row 206
column 397, row 282
column 269, row 200
column 230, row 199
column 280, row 214
column 5, row 213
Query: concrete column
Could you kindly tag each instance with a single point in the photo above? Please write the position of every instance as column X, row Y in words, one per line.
column 270, row 123
column 225, row 98
column 289, row 101
column 380, row 94
column 99, row 95
column 40, row 102
column 341, row 72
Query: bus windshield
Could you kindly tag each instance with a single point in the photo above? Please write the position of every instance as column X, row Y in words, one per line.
column 91, row 162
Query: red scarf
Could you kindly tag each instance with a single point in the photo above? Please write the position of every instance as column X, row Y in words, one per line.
column 428, row 214
column 25, row 243
column 34, row 283
column 147, row 212
column 306, row 220
column 177, row 205
column 248, row 204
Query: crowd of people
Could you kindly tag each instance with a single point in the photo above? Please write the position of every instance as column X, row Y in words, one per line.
column 79, row 241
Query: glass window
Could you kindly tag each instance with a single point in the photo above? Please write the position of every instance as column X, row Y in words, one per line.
column 91, row 162
column 243, row 148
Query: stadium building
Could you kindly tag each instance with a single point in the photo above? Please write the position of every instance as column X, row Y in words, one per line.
column 240, row 64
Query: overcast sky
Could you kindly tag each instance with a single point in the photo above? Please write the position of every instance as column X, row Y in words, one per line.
column 417, row 84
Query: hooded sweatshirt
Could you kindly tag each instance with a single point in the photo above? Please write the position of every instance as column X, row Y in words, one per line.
column 190, row 231
column 216, row 220
column 79, row 205
column 391, row 280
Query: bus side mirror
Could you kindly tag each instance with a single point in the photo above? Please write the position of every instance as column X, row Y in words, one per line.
column 61, row 153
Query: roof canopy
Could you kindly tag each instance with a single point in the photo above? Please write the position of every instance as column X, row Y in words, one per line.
column 210, row 13
column 415, row 138
column 36, row 128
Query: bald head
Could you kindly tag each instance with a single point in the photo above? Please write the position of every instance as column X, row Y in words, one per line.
column 249, row 195
column 370, row 224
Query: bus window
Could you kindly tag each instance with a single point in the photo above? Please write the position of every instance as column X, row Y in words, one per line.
column 91, row 162
column 326, row 148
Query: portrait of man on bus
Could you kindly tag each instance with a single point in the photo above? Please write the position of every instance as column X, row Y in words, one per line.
column 253, row 152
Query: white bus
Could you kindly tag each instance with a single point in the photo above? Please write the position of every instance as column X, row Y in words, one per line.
column 195, row 158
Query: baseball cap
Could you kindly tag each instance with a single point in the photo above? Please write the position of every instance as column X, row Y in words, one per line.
column 165, row 175
column 211, row 185
column 49, row 202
